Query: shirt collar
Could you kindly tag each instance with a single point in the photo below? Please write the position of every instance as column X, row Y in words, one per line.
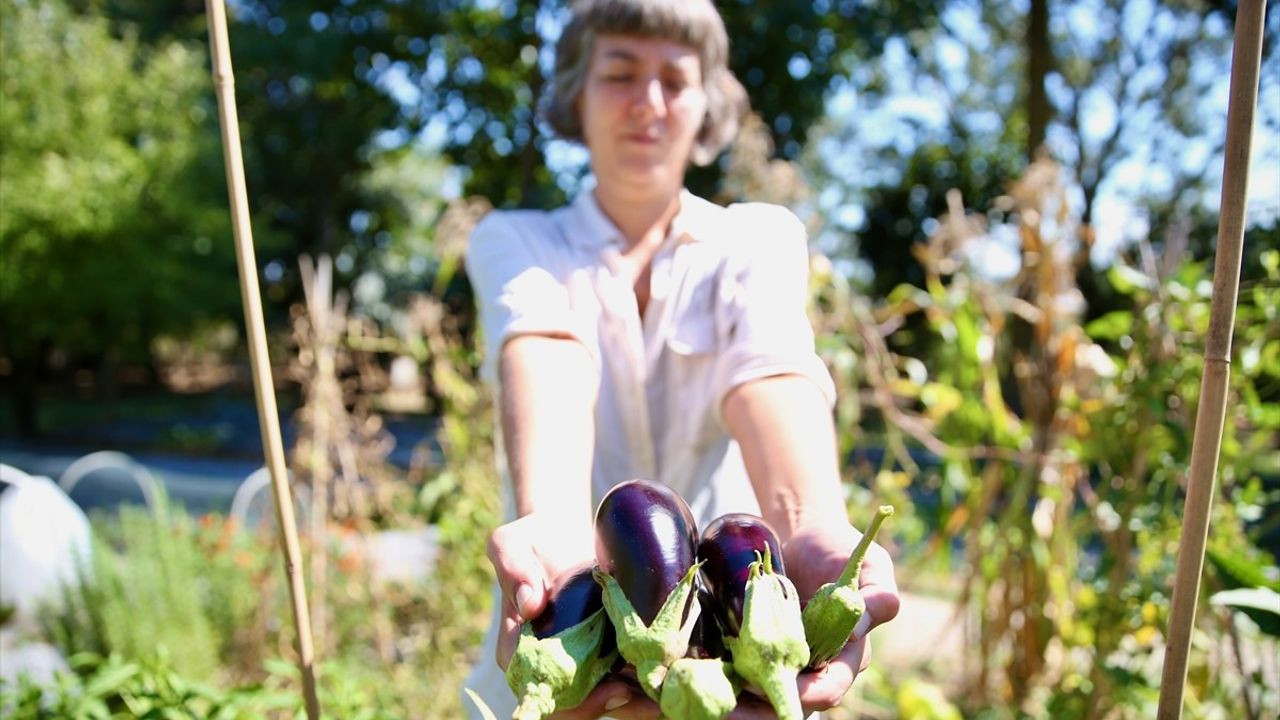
column 595, row 230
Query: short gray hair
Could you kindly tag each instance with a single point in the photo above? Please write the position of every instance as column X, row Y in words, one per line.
column 690, row 22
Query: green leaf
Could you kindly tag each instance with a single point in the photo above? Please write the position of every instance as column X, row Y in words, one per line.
column 1265, row 415
column 1238, row 571
column 1259, row 598
column 925, row 701
column 92, row 709
column 282, row 668
column 909, row 293
column 1271, row 261
column 1127, row 280
column 1261, row 604
column 485, row 712
column 441, row 487
column 1112, row 326
column 111, row 680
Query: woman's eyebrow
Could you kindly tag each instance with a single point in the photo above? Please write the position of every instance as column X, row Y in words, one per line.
column 620, row 54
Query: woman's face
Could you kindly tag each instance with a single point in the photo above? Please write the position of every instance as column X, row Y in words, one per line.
column 641, row 109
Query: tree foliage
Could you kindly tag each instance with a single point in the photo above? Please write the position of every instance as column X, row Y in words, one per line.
column 1136, row 96
column 328, row 93
column 112, row 189
column 317, row 115
column 313, row 101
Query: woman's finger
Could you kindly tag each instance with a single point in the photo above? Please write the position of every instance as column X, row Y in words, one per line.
column 523, row 581
column 825, row 688
column 519, row 570
column 613, row 699
column 879, row 589
column 751, row 707
column 605, row 698
column 507, row 639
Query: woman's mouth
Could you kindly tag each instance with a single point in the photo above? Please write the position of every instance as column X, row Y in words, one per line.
column 641, row 138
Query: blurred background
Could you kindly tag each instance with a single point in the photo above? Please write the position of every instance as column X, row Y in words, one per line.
column 1012, row 208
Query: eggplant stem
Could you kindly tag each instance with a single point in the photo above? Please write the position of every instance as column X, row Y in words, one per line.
column 854, row 566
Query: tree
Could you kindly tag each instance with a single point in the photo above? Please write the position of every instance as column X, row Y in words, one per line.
column 325, row 89
column 314, row 101
column 318, row 110
column 1129, row 95
column 114, row 220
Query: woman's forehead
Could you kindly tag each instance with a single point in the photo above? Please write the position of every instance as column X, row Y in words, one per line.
column 636, row 48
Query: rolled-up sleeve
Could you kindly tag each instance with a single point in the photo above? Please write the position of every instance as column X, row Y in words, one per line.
column 517, row 289
column 761, row 308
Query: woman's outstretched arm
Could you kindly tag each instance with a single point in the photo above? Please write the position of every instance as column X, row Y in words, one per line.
column 784, row 426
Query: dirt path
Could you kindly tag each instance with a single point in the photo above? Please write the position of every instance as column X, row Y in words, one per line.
column 924, row 633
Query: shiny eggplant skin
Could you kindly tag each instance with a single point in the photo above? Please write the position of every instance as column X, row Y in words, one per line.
column 707, row 640
column 645, row 539
column 575, row 598
column 728, row 547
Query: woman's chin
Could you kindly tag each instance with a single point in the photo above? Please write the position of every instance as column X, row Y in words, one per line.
column 650, row 177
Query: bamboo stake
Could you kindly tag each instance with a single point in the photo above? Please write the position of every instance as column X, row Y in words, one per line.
column 1207, row 442
column 264, row 389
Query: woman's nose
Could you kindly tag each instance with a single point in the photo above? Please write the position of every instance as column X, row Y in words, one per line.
column 651, row 98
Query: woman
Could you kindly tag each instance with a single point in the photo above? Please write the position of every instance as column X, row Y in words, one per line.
column 644, row 332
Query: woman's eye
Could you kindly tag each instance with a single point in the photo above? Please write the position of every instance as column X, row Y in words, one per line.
column 617, row 78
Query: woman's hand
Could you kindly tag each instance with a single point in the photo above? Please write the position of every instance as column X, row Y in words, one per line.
column 815, row 555
column 615, row 699
column 528, row 555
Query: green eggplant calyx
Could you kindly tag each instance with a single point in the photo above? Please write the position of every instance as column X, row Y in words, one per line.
column 832, row 609
column 699, row 689
column 652, row 648
column 770, row 649
column 557, row 672
column 834, row 612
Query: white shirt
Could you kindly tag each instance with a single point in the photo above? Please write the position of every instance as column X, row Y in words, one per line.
column 727, row 305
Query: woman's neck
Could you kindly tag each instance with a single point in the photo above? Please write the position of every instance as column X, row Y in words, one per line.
column 642, row 220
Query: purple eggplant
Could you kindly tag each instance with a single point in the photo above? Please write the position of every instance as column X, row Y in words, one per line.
column 564, row 652
column 645, row 539
column 576, row 598
column 707, row 640
column 759, row 607
column 728, row 547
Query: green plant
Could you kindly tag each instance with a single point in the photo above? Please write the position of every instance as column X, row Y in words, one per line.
column 112, row 687
column 439, row 626
column 1060, row 451
column 141, row 593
